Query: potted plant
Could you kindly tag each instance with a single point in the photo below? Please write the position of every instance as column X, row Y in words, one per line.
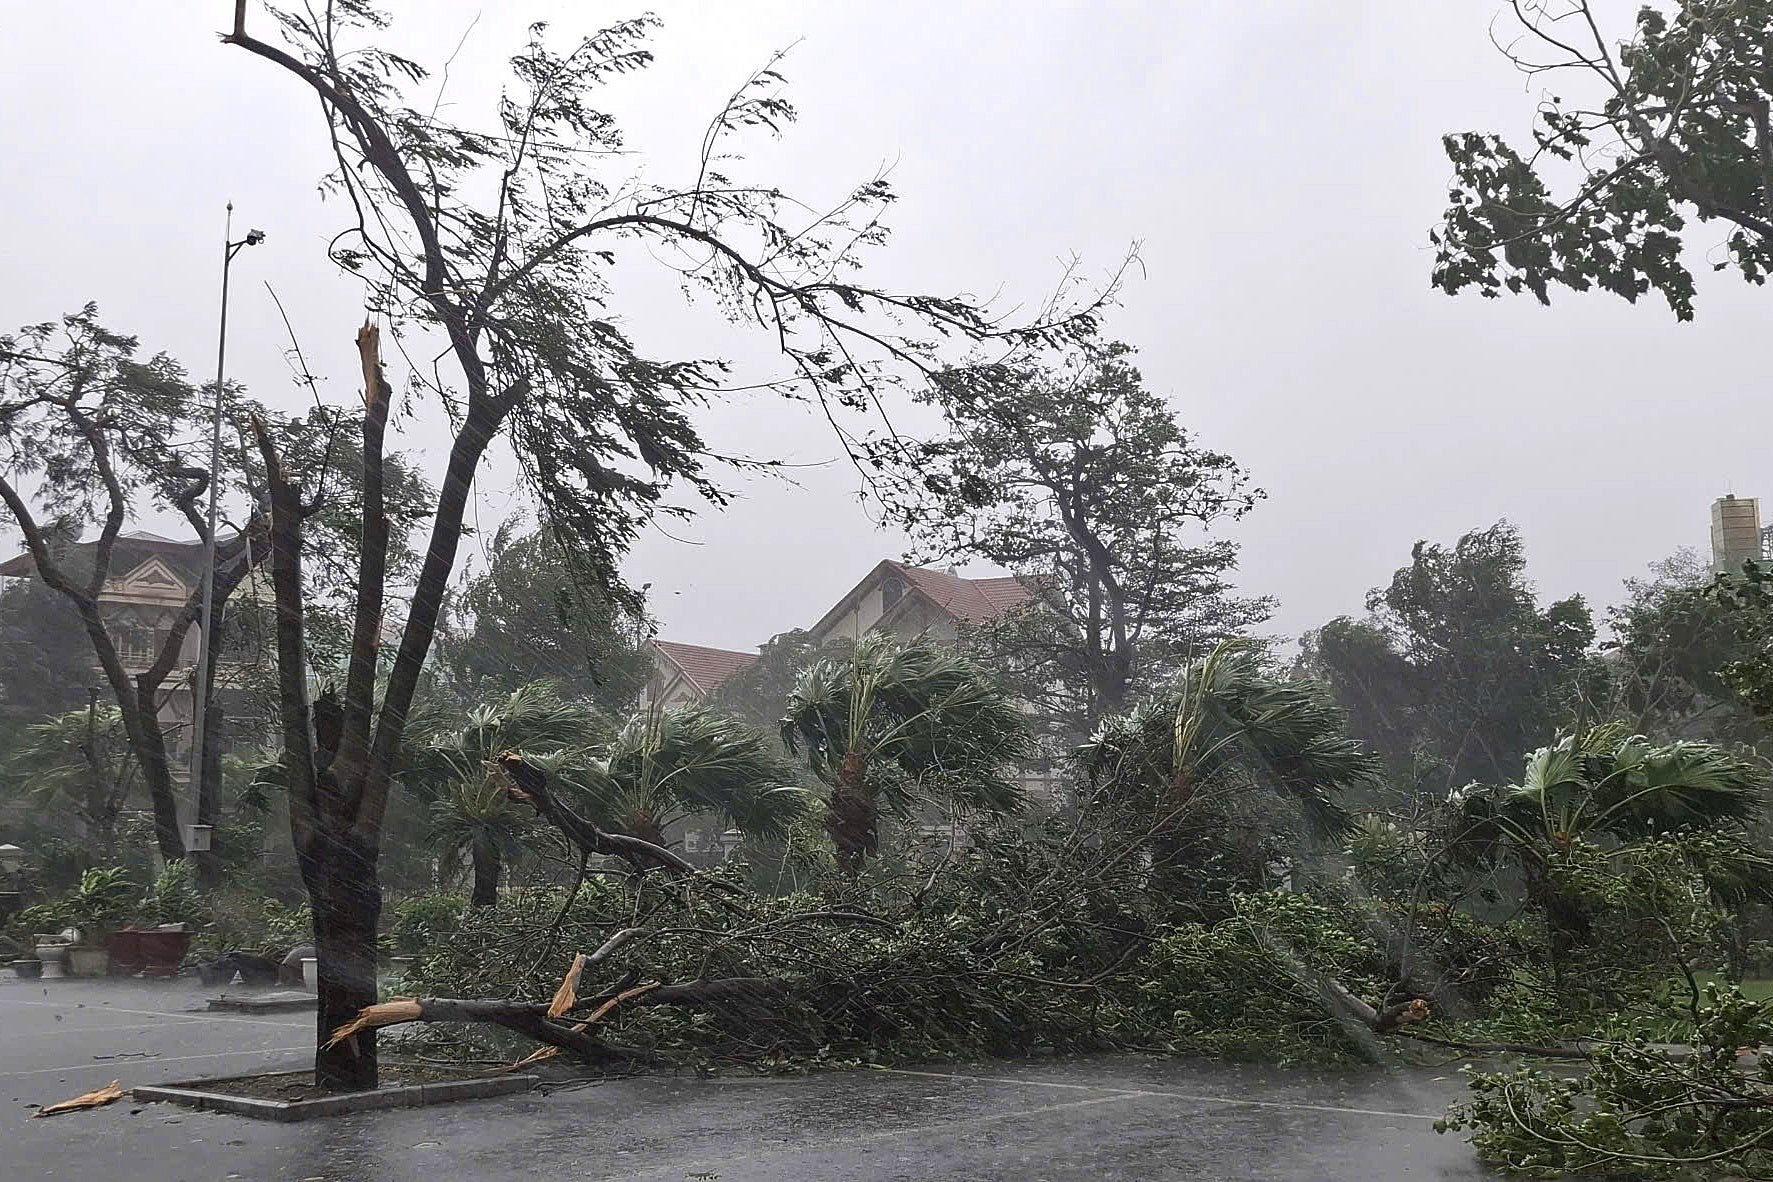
column 99, row 906
column 168, row 912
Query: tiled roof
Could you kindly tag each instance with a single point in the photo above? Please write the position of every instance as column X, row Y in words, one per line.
column 971, row 601
column 1003, row 592
column 705, row 667
column 132, row 546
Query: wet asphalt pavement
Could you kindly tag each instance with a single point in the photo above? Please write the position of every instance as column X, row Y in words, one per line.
column 1096, row 1119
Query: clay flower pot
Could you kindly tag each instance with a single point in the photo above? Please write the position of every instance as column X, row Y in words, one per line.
column 125, row 947
column 164, row 950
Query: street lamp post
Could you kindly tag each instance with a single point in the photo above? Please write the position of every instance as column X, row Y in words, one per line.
column 201, row 689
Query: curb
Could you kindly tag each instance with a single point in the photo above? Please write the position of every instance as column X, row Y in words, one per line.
column 193, row 1095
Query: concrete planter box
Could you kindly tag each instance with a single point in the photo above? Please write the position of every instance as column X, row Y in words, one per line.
column 196, row 1095
column 87, row 962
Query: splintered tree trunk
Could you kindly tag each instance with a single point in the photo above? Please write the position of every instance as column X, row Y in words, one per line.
column 336, row 853
column 851, row 817
column 347, row 900
column 486, row 874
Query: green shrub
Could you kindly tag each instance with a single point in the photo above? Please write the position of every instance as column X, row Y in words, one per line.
column 174, row 898
column 50, row 916
column 422, row 923
column 105, row 899
column 1635, row 1112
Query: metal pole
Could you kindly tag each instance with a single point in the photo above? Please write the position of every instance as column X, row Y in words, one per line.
column 201, row 688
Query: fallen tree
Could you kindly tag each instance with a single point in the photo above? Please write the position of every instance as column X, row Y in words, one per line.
column 1041, row 937
column 500, row 241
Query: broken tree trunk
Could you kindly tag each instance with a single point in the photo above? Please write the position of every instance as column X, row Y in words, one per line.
column 337, row 857
column 547, row 1022
column 1379, row 1021
column 525, row 782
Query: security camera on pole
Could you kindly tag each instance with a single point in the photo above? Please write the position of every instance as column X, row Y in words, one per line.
column 197, row 835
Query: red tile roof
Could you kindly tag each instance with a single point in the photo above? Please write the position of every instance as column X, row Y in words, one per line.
column 971, row 601
column 705, row 667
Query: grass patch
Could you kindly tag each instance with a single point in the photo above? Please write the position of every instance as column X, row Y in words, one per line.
column 1753, row 988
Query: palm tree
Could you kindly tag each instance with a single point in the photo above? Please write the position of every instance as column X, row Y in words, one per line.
column 479, row 817
column 447, row 766
column 1225, row 733
column 895, row 724
column 1613, row 790
column 667, row 764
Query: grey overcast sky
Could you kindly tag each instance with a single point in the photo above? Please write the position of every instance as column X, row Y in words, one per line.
column 1279, row 161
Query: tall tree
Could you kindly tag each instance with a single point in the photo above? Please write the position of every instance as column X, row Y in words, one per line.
column 1077, row 477
column 526, row 616
column 88, row 428
column 502, row 242
column 1672, row 120
column 1457, row 669
column 1674, row 643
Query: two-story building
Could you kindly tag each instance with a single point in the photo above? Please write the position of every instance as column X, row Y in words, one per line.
column 152, row 579
column 911, row 602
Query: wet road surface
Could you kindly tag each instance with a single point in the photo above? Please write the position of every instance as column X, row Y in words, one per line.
column 1096, row 1119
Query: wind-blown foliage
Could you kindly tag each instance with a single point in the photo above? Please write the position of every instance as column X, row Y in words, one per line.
column 503, row 241
column 1671, row 121
column 894, row 725
column 1677, row 645
column 447, row 767
column 526, row 617
column 79, row 764
column 1070, row 472
column 667, row 764
column 1594, row 809
column 1613, row 786
column 1226, row 733
column 1457, row 669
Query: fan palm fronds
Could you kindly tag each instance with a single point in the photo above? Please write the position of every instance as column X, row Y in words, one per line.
column 1227, row 722
column 1610, row 785
column 666, row 764
column 894, row 724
